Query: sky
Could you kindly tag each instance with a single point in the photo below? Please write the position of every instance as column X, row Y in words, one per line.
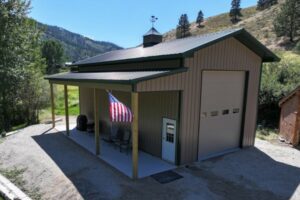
column 123, row 22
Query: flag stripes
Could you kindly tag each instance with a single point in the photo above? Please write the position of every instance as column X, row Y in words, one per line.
column 118, row 111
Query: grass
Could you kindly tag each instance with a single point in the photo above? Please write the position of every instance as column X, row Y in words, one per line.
column 73, row 98
column 258, row 23
column 1, row 139
column 16, row 177
column 215, row 23
column 267, row 134
column 20, row 126
column 1, row 198
column 291, row 56
column 73, row 102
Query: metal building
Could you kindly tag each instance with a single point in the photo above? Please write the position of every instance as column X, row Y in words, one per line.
column 193, row 98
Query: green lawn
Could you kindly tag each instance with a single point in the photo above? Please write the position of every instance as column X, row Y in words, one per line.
column 73, row 101
column 73, row 97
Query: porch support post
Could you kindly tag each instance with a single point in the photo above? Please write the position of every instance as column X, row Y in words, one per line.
column 66, row 109
column 52, row 105
column 96, row 120
column 134, row 130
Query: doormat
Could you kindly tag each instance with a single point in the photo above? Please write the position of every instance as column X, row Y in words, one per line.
column 166, row 177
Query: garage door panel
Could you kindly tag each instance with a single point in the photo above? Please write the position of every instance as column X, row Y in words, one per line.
column 221, row 111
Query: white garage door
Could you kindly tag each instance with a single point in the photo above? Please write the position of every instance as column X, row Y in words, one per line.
column 222, row 100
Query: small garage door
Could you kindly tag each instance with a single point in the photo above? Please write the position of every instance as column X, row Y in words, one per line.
column 222, row 99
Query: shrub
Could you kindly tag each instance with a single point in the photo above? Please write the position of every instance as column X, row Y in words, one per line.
column 297, row 48
column 278, row 79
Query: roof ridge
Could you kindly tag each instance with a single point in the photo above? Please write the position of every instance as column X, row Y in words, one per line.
column 179, row 48
column 105, row 53
column 289, row 95
column 206, row 34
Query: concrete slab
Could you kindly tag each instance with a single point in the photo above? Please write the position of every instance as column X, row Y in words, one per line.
column 122, row 161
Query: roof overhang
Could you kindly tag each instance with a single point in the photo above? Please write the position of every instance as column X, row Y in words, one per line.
column 290, row 95
column 134, row 60
column 109, row 78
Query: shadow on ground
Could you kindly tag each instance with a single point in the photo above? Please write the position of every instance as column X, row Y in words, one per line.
column 92, row 178
column 252, row 174
column 247, row 174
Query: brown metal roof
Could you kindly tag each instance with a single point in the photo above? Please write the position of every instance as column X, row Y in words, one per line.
column 112, row 77
column 179, row 48
column 286, row 98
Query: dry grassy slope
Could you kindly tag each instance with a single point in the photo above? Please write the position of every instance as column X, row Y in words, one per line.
column 258, row 23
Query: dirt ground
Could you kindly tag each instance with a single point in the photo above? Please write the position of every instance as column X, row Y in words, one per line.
column 61, row 169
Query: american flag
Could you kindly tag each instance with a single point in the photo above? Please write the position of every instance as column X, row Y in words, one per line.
column 118, row 111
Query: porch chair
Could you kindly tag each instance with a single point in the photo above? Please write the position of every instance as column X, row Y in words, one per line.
column 116, row 134
column 125, row 142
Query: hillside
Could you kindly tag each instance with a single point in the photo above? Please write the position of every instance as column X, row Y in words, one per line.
column 258, row 23
column 76, row 46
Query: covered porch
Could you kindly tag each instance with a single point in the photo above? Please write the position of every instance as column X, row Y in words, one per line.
column 122, row 161
column 136, row 163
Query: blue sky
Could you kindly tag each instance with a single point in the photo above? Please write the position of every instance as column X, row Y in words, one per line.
column 122, row 22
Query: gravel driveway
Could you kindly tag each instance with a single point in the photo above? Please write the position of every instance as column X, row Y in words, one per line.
column 63, row 170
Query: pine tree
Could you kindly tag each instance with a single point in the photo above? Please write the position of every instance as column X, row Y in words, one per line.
column 287, row 21
column 261, row 4
column 235, row 11
column 264, row 4
column 183, row 27
column 53, row 52
column 273, row 2
column 200, row 19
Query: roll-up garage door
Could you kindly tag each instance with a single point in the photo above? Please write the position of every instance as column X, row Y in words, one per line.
column 222, row 99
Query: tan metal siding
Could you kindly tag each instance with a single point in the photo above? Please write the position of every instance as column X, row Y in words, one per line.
column 153, row 106
column 86, row 102
column 229, row 54
column 162, row 64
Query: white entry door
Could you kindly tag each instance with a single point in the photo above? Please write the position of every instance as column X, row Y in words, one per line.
column 222, row 99
column 169, row 140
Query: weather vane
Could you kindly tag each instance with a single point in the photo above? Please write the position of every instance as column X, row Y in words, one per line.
column 153, row 20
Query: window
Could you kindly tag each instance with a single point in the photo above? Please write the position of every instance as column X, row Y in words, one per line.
column 225, row 112
column 170, row 137
column 236, row 110
column 170, row 128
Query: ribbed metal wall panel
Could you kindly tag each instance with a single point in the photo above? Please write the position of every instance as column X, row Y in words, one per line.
column 229, row 54
column 86, row 102
column 153, row 106
column 140, row 66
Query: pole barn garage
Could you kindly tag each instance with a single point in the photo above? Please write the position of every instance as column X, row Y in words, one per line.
column 195, row 98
